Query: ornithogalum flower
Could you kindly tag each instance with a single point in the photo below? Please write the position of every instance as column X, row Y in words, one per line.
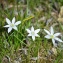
column 12, row 25
column 33, row 32
column 52, row 35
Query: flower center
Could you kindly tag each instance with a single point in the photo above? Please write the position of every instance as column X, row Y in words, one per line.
column 32, row 33
column 52, row 36
column 12, row 25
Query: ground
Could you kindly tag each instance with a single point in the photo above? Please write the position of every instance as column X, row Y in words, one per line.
column 17, row 46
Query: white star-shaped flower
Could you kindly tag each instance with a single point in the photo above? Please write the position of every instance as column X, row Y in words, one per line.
column 52, row 36
column 12, row 25
column 33, row 32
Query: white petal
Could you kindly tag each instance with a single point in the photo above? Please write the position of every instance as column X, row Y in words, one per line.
column 47, row 31
column 51, row 30
column 9, row 29
column 36, row 31
column 47, row 36
column 37, row 35
column 58, row 39
column 33, row 37
column 57, row 34
column 13, row 20
column 7, row 26
column 29, row 35
column 32, row 28
column 28, row 30
column 54, row 42
column 18, row 22
column 8, row 21
column 15, row 27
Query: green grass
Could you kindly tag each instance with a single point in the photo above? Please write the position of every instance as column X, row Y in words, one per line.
column 17, row 44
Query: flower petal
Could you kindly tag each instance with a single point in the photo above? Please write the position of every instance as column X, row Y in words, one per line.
column 51, row 30
column 57, row 34
column 8, row 21
column 33, row 37
column 58, row 39
column 7, row 26
column 9, row 29
column 37, row 35
column 13, row 20
column 32, row 28
column 15, row 27
column 47, row 36
column 29, row 35
column 36, row 31
column 54, row 43
column 28, row 30
column 47, row 31
column 18, row 22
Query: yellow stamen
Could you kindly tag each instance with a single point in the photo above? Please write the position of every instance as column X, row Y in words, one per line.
column 12, row 25
column 52, row 36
